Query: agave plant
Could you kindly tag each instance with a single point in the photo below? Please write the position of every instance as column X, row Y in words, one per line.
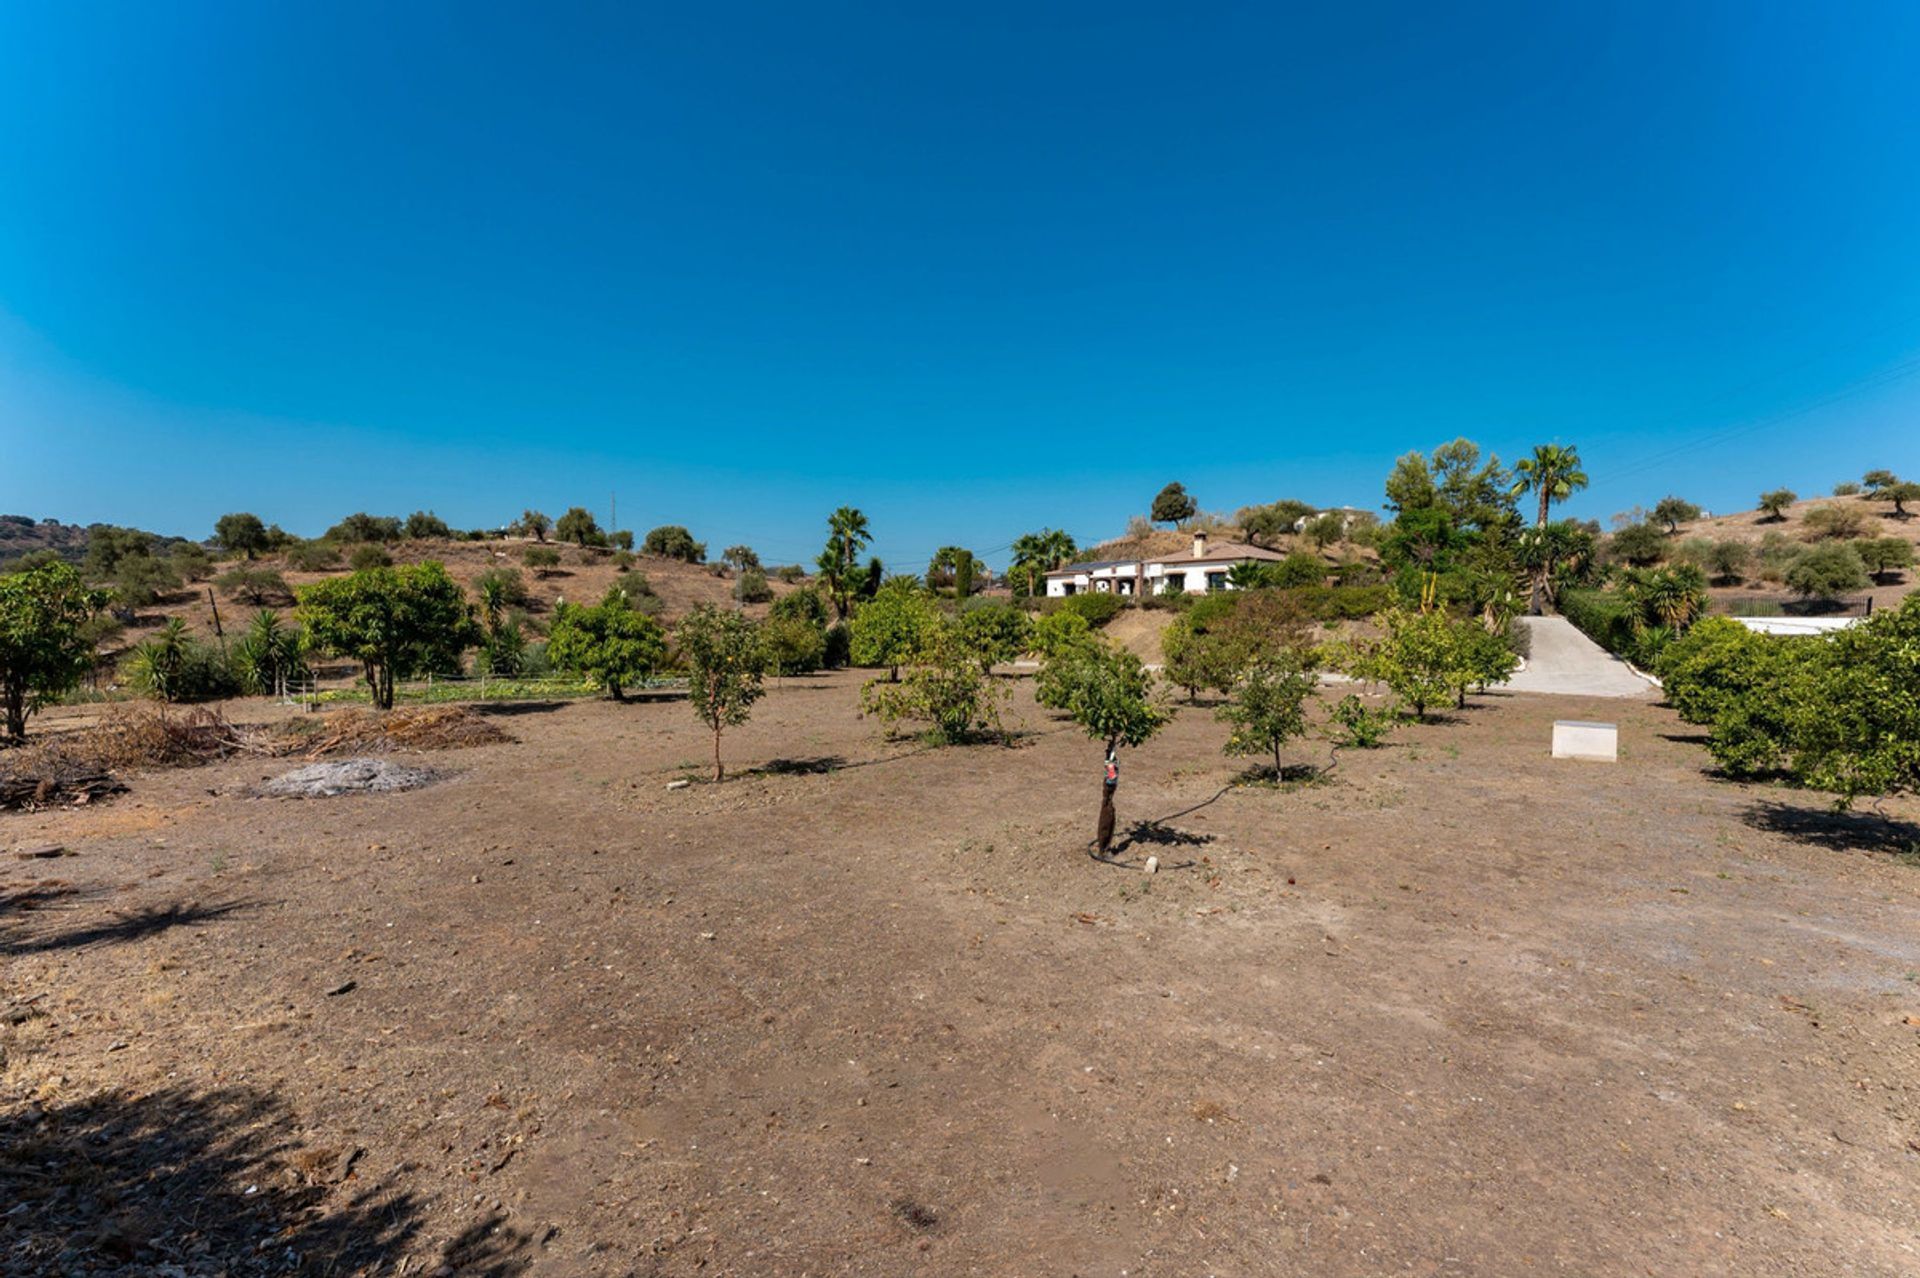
column 268, row 657
column 156, row 665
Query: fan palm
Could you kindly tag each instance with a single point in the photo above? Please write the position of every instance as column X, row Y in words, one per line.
column 1553, row 473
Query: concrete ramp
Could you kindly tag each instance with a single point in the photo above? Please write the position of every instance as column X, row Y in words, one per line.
column 1565, row 662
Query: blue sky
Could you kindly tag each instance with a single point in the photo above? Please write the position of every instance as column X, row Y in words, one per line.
column 976, row 270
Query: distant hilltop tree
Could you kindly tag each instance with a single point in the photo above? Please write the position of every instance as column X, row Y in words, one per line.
column 536, row 524
column 671, row 541
column 1173, row 504
column 1774, row 503
column 1674, row 511
column 240, row 533
column 579, row 527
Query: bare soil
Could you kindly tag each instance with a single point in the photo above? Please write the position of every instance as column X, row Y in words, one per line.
column 869, row 1008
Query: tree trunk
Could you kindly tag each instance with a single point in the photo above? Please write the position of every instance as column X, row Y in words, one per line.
column 16, row 710
column 1276, row 759
column 719, row 769
column 614, row 690
column 1103, row 834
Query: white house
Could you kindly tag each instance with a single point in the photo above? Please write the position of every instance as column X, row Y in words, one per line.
column 1204, row 569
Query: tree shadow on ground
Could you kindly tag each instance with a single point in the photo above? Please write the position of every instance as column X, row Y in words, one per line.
column 1685, row 738
column 1165, row 836
column 804, row 767
column 18, row 936
column 211, row 1182
column 1851, row 831
column 514, row 709
column 1286, row 774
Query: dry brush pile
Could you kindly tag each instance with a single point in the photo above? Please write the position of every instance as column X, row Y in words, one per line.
column 80, row 766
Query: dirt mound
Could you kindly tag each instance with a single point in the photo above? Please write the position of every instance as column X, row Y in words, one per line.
column 347, row 776
column 420, row 728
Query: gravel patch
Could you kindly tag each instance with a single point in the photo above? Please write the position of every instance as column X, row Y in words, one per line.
column 347, row 776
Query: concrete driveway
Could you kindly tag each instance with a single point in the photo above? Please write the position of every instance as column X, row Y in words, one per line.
column 1567, row 663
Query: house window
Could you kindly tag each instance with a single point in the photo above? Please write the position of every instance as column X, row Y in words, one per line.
column 1103, row 585
column 1216, row 581
column 1173, row 583
column 1069, row 588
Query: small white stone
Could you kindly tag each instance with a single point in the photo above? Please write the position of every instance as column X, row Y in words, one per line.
column 681, row 784
column 1153, row 865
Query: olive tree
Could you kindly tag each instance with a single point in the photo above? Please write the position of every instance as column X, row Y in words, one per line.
column 1885, row 555
column 397, row 622
column 579, row 527
column 1774, row 503
column 240, row 533
column 725, row 664
column 45, row 646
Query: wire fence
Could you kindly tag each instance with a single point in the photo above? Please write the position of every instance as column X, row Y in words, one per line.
column 1774, row 606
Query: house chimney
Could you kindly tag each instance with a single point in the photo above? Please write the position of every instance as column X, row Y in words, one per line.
column 1199, row 545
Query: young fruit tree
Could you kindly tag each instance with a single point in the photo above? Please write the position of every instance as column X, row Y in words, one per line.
column 725, row 664
column 1110, row 694
column 1269, row 707
column 396, row 622
column 947, row 688
column 45, row 648
column 611, row 642
column 891, row 626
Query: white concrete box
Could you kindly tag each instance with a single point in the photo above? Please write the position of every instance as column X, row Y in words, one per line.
column 1574, row 739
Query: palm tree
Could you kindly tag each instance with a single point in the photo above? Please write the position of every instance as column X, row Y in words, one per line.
column 1041, row 552
column 849, row 527
column 1554, row 474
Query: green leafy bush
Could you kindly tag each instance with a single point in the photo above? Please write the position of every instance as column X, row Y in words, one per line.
column 255, row 586
column 369, row 555
column 312, row 556
column 1827, row 572
column 612, row 642
column 1362, row 726
column 752, row 587
column 671, row 541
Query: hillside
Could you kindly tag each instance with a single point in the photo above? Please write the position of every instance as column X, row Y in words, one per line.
column 1754, row 527
column 22, row 535
column 583, row 575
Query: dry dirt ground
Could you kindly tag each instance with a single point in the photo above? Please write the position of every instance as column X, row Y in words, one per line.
column 868, row 1008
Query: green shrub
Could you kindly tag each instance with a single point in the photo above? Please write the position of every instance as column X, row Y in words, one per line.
column 1362, row 726
column 424, row 524
column 174, row 666
column 1097, row 609
column 190, row 560
column 995, row 633
column 312, row 556
column 542, row 559
column 139, row 580
column 255, row 586
column 369, row 555
column 1834, row 523
column 752, row 587
column 791, row 574
column 361, row 527
column 1827, row 572
column 794, row 645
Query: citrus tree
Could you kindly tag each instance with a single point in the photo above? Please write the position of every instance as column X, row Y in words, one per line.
column 397, row 622
column 1269, row 707
column 611, row 642
column 1110, row 694
column 891, row 626
column 45, row 648
column 725, row 665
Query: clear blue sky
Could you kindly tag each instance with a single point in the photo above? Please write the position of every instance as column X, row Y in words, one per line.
column 975, row 270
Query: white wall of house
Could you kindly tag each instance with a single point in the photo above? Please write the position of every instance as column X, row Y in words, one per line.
column 1200, row 576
